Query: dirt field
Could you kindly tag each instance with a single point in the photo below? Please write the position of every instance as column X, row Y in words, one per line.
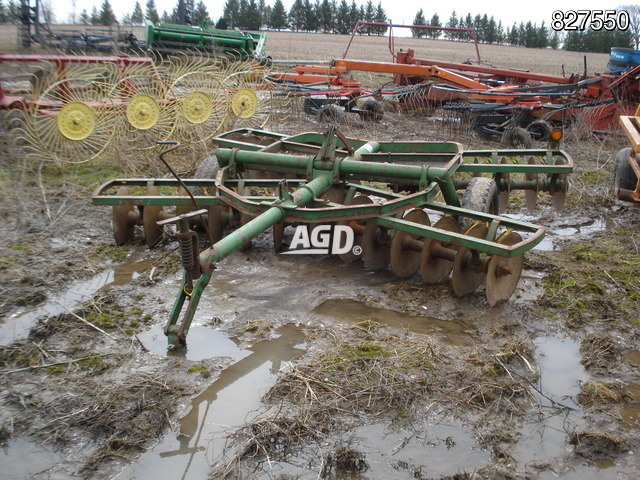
column 304, row 367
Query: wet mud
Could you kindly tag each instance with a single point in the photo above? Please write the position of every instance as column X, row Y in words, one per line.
column 489, row 392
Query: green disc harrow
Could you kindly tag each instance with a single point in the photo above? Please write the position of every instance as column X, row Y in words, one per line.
column 398, row 202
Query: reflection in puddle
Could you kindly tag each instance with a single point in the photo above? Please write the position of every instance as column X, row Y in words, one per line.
column 588, row 228
column 453, row 332
column 630, row 412
column 23, row 459
column 427, row 451
column 18, row 325
column 204, row 342
column 560, row 375
column 221, row 408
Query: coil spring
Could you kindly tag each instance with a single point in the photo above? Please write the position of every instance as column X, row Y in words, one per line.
column 186, row 245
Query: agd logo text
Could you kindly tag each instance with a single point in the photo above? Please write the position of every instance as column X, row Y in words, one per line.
column 323, row 240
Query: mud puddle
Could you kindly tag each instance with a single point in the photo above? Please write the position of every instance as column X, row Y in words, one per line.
column 566, row 228
column 22, row 459
column 452, row 332
column 546, row 436
column 385, row 451
column 18, row 325
column 200, row 443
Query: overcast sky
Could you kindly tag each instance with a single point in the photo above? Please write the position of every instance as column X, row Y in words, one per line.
column 400, row 12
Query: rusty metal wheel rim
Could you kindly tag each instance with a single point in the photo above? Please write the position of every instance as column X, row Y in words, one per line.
column 499, row 287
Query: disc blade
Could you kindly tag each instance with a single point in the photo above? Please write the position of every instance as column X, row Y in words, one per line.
column 466, row 277
column 503, row 273
column 433, row 268
column 405, row 261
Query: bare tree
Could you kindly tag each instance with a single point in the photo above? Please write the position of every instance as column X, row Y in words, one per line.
column 634, row 22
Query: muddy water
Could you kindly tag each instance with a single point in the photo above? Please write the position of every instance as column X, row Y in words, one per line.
column 23, row 459
column 18, row 325
column 566, row 228
column 546, row 436
column 453, row 332
column 221, row 408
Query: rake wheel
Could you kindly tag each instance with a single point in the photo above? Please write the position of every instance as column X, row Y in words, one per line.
column 200, row 106
column 148, row 115
column 73, row 121
column 253, row 102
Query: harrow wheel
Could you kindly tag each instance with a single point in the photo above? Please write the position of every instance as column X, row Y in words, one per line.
column 559, row 187
column 150, row 215
column 480, row 195
column 358, row 229
column 467, row 274
column 503, row 273
column 73, row 121
column 531, row 196
column 433, row 267
column 124, row 219
column 376, row 247
column 406, row 248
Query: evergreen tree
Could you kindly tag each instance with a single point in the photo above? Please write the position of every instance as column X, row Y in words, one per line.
column 107, row 17
column 243, row 14
column 542, row 36
column 231, row 13
column 381, row 17
column 297, row 15
column 221, row 24
column 95, row 16
column 325, row 16
column 3, row 13
column 84, row 17
column 354, row 15
column 310, row 19
column 137, row 17
column 278, row 16
column 343, row 25
column 513, row 37
column 554, row 41
column 435, row 22
column 252, row 18
column 13, row 12
column 452, row 23
column 151, row 12
column 418, row 21
column 201, row 14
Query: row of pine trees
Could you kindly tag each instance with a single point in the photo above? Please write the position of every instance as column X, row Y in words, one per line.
column 338, row 16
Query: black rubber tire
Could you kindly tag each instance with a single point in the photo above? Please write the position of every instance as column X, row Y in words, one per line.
column 623, row 176
column 208, row 169
column 332, row 114
column 516, row 137
column 540, row 130
column 373, row 110
column 481, row 195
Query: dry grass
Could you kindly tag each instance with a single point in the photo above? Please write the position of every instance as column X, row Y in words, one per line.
column 595, row 393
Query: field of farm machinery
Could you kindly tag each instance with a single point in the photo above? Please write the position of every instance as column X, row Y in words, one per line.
column 70, row 108
column 515, row 106
column 399, row 202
